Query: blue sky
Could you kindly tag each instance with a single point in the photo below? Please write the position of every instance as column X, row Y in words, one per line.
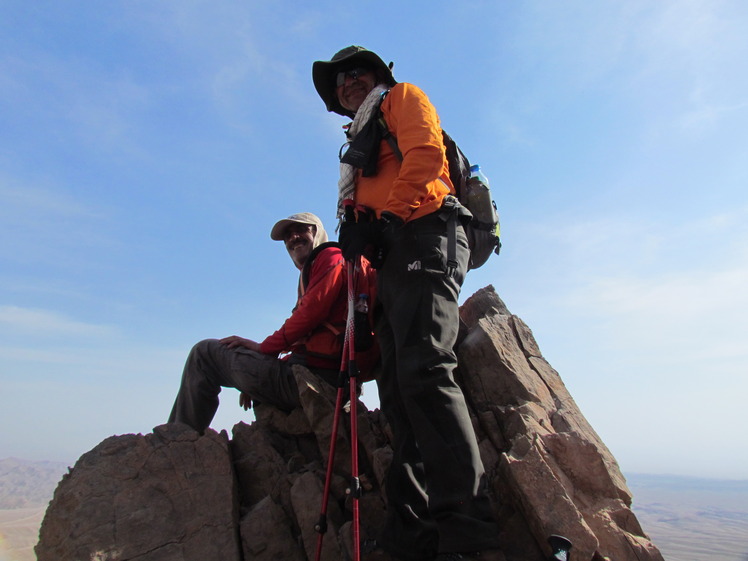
column 146, row 148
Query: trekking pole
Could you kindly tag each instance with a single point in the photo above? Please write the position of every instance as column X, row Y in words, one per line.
column 355, row 488
column 321, row 526
column 349, row 371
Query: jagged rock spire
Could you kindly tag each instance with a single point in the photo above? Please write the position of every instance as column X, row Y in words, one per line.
column 174, row 495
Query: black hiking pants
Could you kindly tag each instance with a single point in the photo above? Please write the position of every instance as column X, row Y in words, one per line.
column 436, row 488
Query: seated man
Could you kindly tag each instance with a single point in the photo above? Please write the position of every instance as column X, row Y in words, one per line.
column 311, row 335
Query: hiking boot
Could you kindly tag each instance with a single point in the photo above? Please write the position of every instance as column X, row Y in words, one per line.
column 487, row 555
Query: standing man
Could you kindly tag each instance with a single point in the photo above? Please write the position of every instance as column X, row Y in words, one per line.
column 310, row 335
column 438, row 506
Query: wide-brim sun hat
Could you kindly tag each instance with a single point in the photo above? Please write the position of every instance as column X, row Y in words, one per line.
column 324, row 72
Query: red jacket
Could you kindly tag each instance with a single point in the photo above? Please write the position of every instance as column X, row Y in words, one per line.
column 316, row 326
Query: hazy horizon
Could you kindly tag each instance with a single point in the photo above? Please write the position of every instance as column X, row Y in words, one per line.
column 147, row 149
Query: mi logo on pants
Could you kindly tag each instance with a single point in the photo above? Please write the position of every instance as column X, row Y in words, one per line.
column 415, row 266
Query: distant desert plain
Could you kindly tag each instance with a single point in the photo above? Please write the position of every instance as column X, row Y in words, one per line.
column 688, row 519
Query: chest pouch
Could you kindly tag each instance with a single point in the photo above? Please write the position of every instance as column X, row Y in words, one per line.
column 363, row 150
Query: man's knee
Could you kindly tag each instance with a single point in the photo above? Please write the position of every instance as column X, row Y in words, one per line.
column 420, row 370
column 204, row 348
column 205, row 354
column 200, row 363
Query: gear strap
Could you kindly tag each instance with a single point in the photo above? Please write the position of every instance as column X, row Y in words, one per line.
column 450, row 205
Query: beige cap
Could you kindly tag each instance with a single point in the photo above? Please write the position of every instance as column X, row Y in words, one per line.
column 300, row 218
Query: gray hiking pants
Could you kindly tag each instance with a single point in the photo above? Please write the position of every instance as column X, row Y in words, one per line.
column 436, row 488
column 211, row 366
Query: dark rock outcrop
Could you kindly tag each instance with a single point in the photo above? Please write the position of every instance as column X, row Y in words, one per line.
column 165, row 496
column 175, row 495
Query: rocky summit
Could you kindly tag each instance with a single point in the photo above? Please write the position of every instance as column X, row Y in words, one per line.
column 175, row 495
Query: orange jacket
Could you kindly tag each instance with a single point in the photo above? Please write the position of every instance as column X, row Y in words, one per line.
column 418, row 186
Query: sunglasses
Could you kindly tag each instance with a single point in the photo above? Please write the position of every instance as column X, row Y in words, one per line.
column 353, row 73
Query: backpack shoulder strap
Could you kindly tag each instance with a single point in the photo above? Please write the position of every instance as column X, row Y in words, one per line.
column 386, row 133
column 306, row 270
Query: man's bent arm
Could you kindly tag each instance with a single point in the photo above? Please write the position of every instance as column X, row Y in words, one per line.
column 314, row 308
